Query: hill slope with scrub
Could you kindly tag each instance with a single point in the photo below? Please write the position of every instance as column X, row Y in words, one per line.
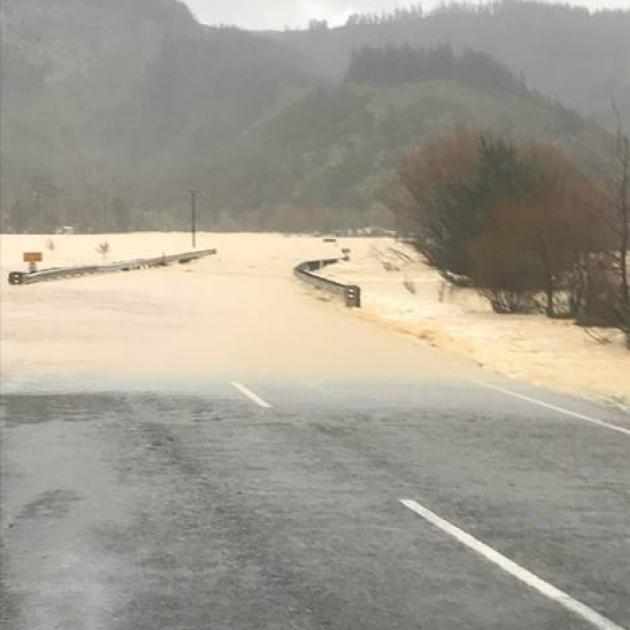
column 113, row 110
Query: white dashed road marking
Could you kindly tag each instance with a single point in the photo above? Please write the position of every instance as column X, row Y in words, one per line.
column 515, row 570
column 562, row 410
column 250, row 394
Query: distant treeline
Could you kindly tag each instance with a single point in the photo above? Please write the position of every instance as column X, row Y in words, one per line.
column 574, row 55
column 401, row 14
column 398, row 65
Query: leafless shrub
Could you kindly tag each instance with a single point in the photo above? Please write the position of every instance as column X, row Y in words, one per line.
column 427, row 200
column 600, row 302
column 598, row 336
column 604, row 306
column 410, row 286
column 621, row 203
column 507, row 301
column 402, row 255
column 623, row 321
column 103, row 249
column 389, row 266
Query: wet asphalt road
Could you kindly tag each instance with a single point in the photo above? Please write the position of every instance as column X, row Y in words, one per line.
column 203, row 510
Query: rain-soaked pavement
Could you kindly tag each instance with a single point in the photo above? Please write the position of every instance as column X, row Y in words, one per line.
column 132, row 511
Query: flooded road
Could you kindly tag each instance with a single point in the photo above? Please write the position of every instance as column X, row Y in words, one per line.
column 237, row 314
column 215, row 447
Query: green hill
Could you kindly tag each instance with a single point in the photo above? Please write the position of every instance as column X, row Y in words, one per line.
column 109, row 100
column 336, row 146
column 113, row 109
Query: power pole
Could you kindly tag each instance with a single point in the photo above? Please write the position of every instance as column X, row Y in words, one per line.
column 193, row 215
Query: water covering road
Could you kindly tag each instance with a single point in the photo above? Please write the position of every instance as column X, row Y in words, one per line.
column 253, row 477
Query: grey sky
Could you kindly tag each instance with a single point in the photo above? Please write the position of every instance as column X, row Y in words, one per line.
column 259, row 14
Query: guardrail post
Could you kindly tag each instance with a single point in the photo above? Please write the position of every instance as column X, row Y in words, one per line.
column 16, row 277
column 353, row 297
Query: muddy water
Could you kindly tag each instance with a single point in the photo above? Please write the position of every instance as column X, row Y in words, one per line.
column 237, row 314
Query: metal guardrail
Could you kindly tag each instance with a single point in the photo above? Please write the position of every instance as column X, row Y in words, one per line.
column 61, row 273
column 349, row 292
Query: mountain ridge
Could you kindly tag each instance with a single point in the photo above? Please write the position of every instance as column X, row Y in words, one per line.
column 113, row 109
column 579, row 57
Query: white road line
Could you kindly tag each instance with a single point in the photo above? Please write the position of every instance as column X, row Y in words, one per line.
column 250, row 394
column 566, row 412
column 515, row 570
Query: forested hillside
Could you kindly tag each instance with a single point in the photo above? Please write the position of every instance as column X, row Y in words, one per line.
column 580, row 58
column 325, row 159
column 114, row 109
column 112, row 103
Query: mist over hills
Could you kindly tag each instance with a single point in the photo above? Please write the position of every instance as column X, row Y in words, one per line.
column 338, row 145
column 113, row 109
column 108, row 99
column 573, row 55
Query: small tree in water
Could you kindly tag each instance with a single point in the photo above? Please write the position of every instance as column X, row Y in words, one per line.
column 103, row 249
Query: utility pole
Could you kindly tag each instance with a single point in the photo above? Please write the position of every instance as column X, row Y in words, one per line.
column 193, row 215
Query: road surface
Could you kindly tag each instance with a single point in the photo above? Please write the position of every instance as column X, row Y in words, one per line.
column 261, row 459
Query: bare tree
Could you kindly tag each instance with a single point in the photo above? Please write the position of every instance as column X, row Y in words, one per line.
column 622, row 204
column 103, row 249
column 433, row 178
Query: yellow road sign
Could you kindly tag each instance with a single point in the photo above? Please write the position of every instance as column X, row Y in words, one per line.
column 33, row 257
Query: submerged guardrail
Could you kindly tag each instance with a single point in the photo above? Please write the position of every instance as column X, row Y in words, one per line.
column 349, row 292
column 62, row 273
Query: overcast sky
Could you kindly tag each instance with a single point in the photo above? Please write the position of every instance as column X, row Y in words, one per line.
column 261, row 14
